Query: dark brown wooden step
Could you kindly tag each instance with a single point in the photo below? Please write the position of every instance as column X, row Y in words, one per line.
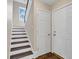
column 18, row 31
column 19, row 37
column 19, row 34
column 19, row 48
column 17, row 28
column 17, row 56
column 19, row 42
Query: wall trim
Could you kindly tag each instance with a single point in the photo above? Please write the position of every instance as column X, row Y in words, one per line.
column 63, row 6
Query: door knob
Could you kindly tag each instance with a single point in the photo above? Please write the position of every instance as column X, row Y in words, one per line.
column 49, row 34
column 54, row 34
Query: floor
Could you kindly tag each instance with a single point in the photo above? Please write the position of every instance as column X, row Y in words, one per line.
column 47, row 56
column 50, row 57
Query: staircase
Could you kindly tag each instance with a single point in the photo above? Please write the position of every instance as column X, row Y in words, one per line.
column 20, row 47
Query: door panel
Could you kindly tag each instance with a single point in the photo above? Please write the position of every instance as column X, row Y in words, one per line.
column 44, row 30
column 63, row 28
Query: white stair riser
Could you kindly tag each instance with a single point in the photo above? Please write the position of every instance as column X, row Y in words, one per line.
column 19, row 35
column 19, row 40
column 27, row 57
column 17, row 29
column 18, row 32
column 19, row 45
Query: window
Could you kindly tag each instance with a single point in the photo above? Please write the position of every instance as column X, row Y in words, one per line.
column 22, row 14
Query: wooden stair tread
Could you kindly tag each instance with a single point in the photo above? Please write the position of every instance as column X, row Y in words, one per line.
column 19, row 48
column 20, row 45
column 18, row 31
column 17, row 28
column 19, row 34
column 19, row 42
column 19, row 37
column 21, row 55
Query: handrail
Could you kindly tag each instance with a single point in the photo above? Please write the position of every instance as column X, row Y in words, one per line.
column 27, row 4
column 26, row 9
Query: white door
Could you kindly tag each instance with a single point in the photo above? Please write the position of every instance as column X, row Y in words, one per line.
column 44, row 31
column 63, row 28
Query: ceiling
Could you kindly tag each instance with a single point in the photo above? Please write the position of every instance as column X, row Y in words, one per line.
column 49, row 2
column 21, row 1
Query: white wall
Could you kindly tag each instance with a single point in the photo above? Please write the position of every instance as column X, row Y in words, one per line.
column 9, row 25
column 16, row 6
column 29, row 25
column 62, row 24
column 30, row 7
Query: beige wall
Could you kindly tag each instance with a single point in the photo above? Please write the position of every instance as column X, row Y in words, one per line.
column 59, row 3
column 16, row 6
